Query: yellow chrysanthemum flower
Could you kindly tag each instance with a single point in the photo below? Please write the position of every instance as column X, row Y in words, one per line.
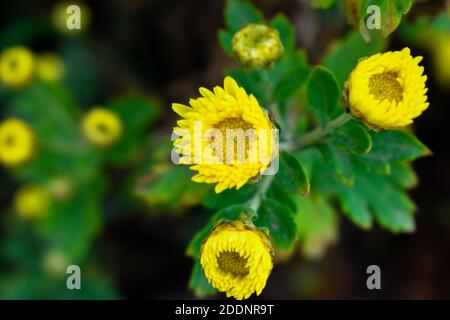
column 237, row 259
column 16, row 67
column 102, row 127
column 387, row 91
column 241, row 131
column 31, row 201
column 257, row 46
column 49, row 67
column 16, row 142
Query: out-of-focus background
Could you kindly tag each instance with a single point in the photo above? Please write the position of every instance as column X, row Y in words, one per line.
column 149, row 54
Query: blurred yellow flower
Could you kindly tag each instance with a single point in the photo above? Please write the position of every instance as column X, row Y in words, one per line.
column 257, row 46
column 61, row 188
column 237, row 259
column 387, row 91
column 16, row 142
column 231, row 114
column 441, row 59
column 55, row 263
column 31, row 201
column 16, row 67
column 49, row 67
column 102, row 127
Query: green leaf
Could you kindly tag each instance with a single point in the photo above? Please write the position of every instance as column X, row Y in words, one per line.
column 352, row 138
column 281, row 222
column 338, row 161
column 323, row 92
column 170, row 188
column 291, row 174
column 238, row 13
column 403, row 175
column 198, row 282
column 286, row 31
column 344, row 56
column 214, row 201
column 318, row 225
column 390, row 205
column 354, row 205
column 396, row 145
column 279, row 193
column 360, row 13
column 291, row 83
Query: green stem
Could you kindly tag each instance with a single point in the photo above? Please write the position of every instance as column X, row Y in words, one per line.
column 255, row 202
column 321, row 132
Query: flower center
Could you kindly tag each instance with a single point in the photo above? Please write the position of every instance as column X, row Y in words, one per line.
column 10, row 140
column 232, row 262
column 102, row 128
column 385, row 86
column 236, row 134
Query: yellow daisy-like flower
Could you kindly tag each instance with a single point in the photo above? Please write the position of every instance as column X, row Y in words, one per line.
column 102, row 127
column 237, row 259
column 257, row 46
column 31, row 201
column 16, row 67
column 242, row 134
column 49, row 67
column 387, row 91
column 16, row 142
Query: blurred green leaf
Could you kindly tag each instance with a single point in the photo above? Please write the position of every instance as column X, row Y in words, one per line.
column 286, row 31
column 225, row 40
column 322, row 4
column 238, row 13
column 198, row 282
column 317, row 223
column 71, row 225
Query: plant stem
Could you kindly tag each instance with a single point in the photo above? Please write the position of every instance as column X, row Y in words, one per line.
column 255, row 202
column 321, row 132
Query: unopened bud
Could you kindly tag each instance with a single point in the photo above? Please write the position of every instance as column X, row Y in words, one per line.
column 257, row 46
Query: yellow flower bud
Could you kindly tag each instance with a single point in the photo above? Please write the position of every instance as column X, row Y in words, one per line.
column 31, row 201
column 16, row 142
column 102, row 127
column 16, row 67
column 257, row 46
column 236, row 258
